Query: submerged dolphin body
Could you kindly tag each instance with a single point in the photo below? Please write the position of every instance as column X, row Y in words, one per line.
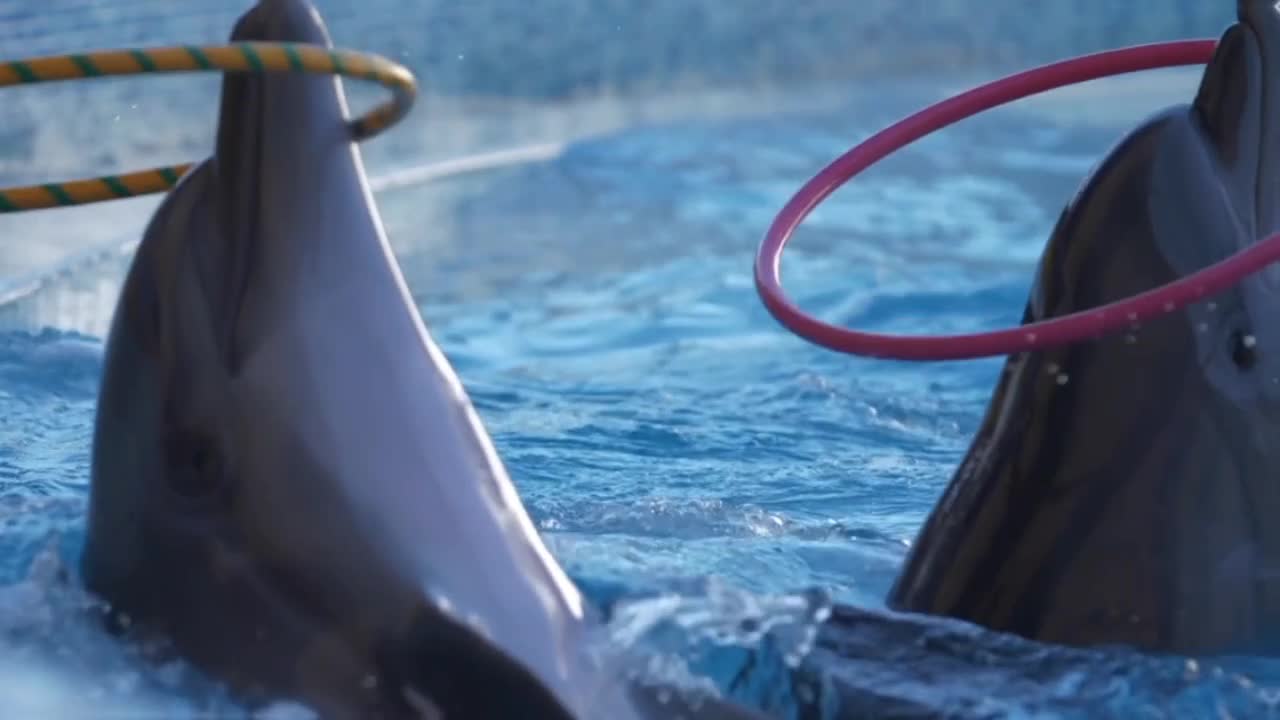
column 289, row 483
column 1121, row 492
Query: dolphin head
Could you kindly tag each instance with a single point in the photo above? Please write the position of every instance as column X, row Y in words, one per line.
column 288, row 480
column 1120, row 491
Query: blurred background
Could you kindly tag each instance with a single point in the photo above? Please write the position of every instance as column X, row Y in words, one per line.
column 558, row 49
column 498, row 74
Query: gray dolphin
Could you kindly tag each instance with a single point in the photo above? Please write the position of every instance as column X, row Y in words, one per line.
column 1120, row 492
column 289, row 483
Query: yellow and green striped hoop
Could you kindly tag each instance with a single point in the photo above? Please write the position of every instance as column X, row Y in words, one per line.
column 256, row 57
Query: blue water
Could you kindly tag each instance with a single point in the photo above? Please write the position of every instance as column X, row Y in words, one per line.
column 691, row 463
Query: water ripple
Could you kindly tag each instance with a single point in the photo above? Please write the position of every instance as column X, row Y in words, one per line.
column 701, row 473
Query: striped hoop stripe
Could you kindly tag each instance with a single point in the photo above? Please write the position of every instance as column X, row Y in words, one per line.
column 256, row 57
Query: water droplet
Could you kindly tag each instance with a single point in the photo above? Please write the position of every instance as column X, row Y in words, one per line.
column 1053, row 369
column 1212, row 306
column 1130, row 338
column 1031, row 337
column 1249, row 341
column 1061, row 379
column 1202, row 327
column 1133, row 317
column 1168, row 307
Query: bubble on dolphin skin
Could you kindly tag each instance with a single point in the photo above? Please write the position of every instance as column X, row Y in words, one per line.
column 1055, row 371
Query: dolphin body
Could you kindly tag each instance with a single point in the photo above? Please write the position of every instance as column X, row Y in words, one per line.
column 289, row 484
column 1121, row 492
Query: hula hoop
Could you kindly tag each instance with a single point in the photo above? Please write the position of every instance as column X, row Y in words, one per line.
column 1054, row 332
column 236, row 57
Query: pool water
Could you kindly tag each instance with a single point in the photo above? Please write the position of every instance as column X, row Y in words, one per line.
column 696, row 468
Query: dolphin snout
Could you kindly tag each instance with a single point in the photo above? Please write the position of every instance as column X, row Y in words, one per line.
column 438, row 664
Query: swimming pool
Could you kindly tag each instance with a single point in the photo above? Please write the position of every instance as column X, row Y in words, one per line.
column 661, row 428
column 698, row 470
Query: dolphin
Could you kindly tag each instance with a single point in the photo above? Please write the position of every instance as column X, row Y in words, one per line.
column 289, row 486
column 1119, row 492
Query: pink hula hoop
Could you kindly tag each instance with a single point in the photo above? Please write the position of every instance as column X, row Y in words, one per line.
column 1054, row 332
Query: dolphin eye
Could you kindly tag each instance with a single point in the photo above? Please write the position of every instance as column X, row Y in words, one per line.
column 1244, row 350
column 195, row 467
